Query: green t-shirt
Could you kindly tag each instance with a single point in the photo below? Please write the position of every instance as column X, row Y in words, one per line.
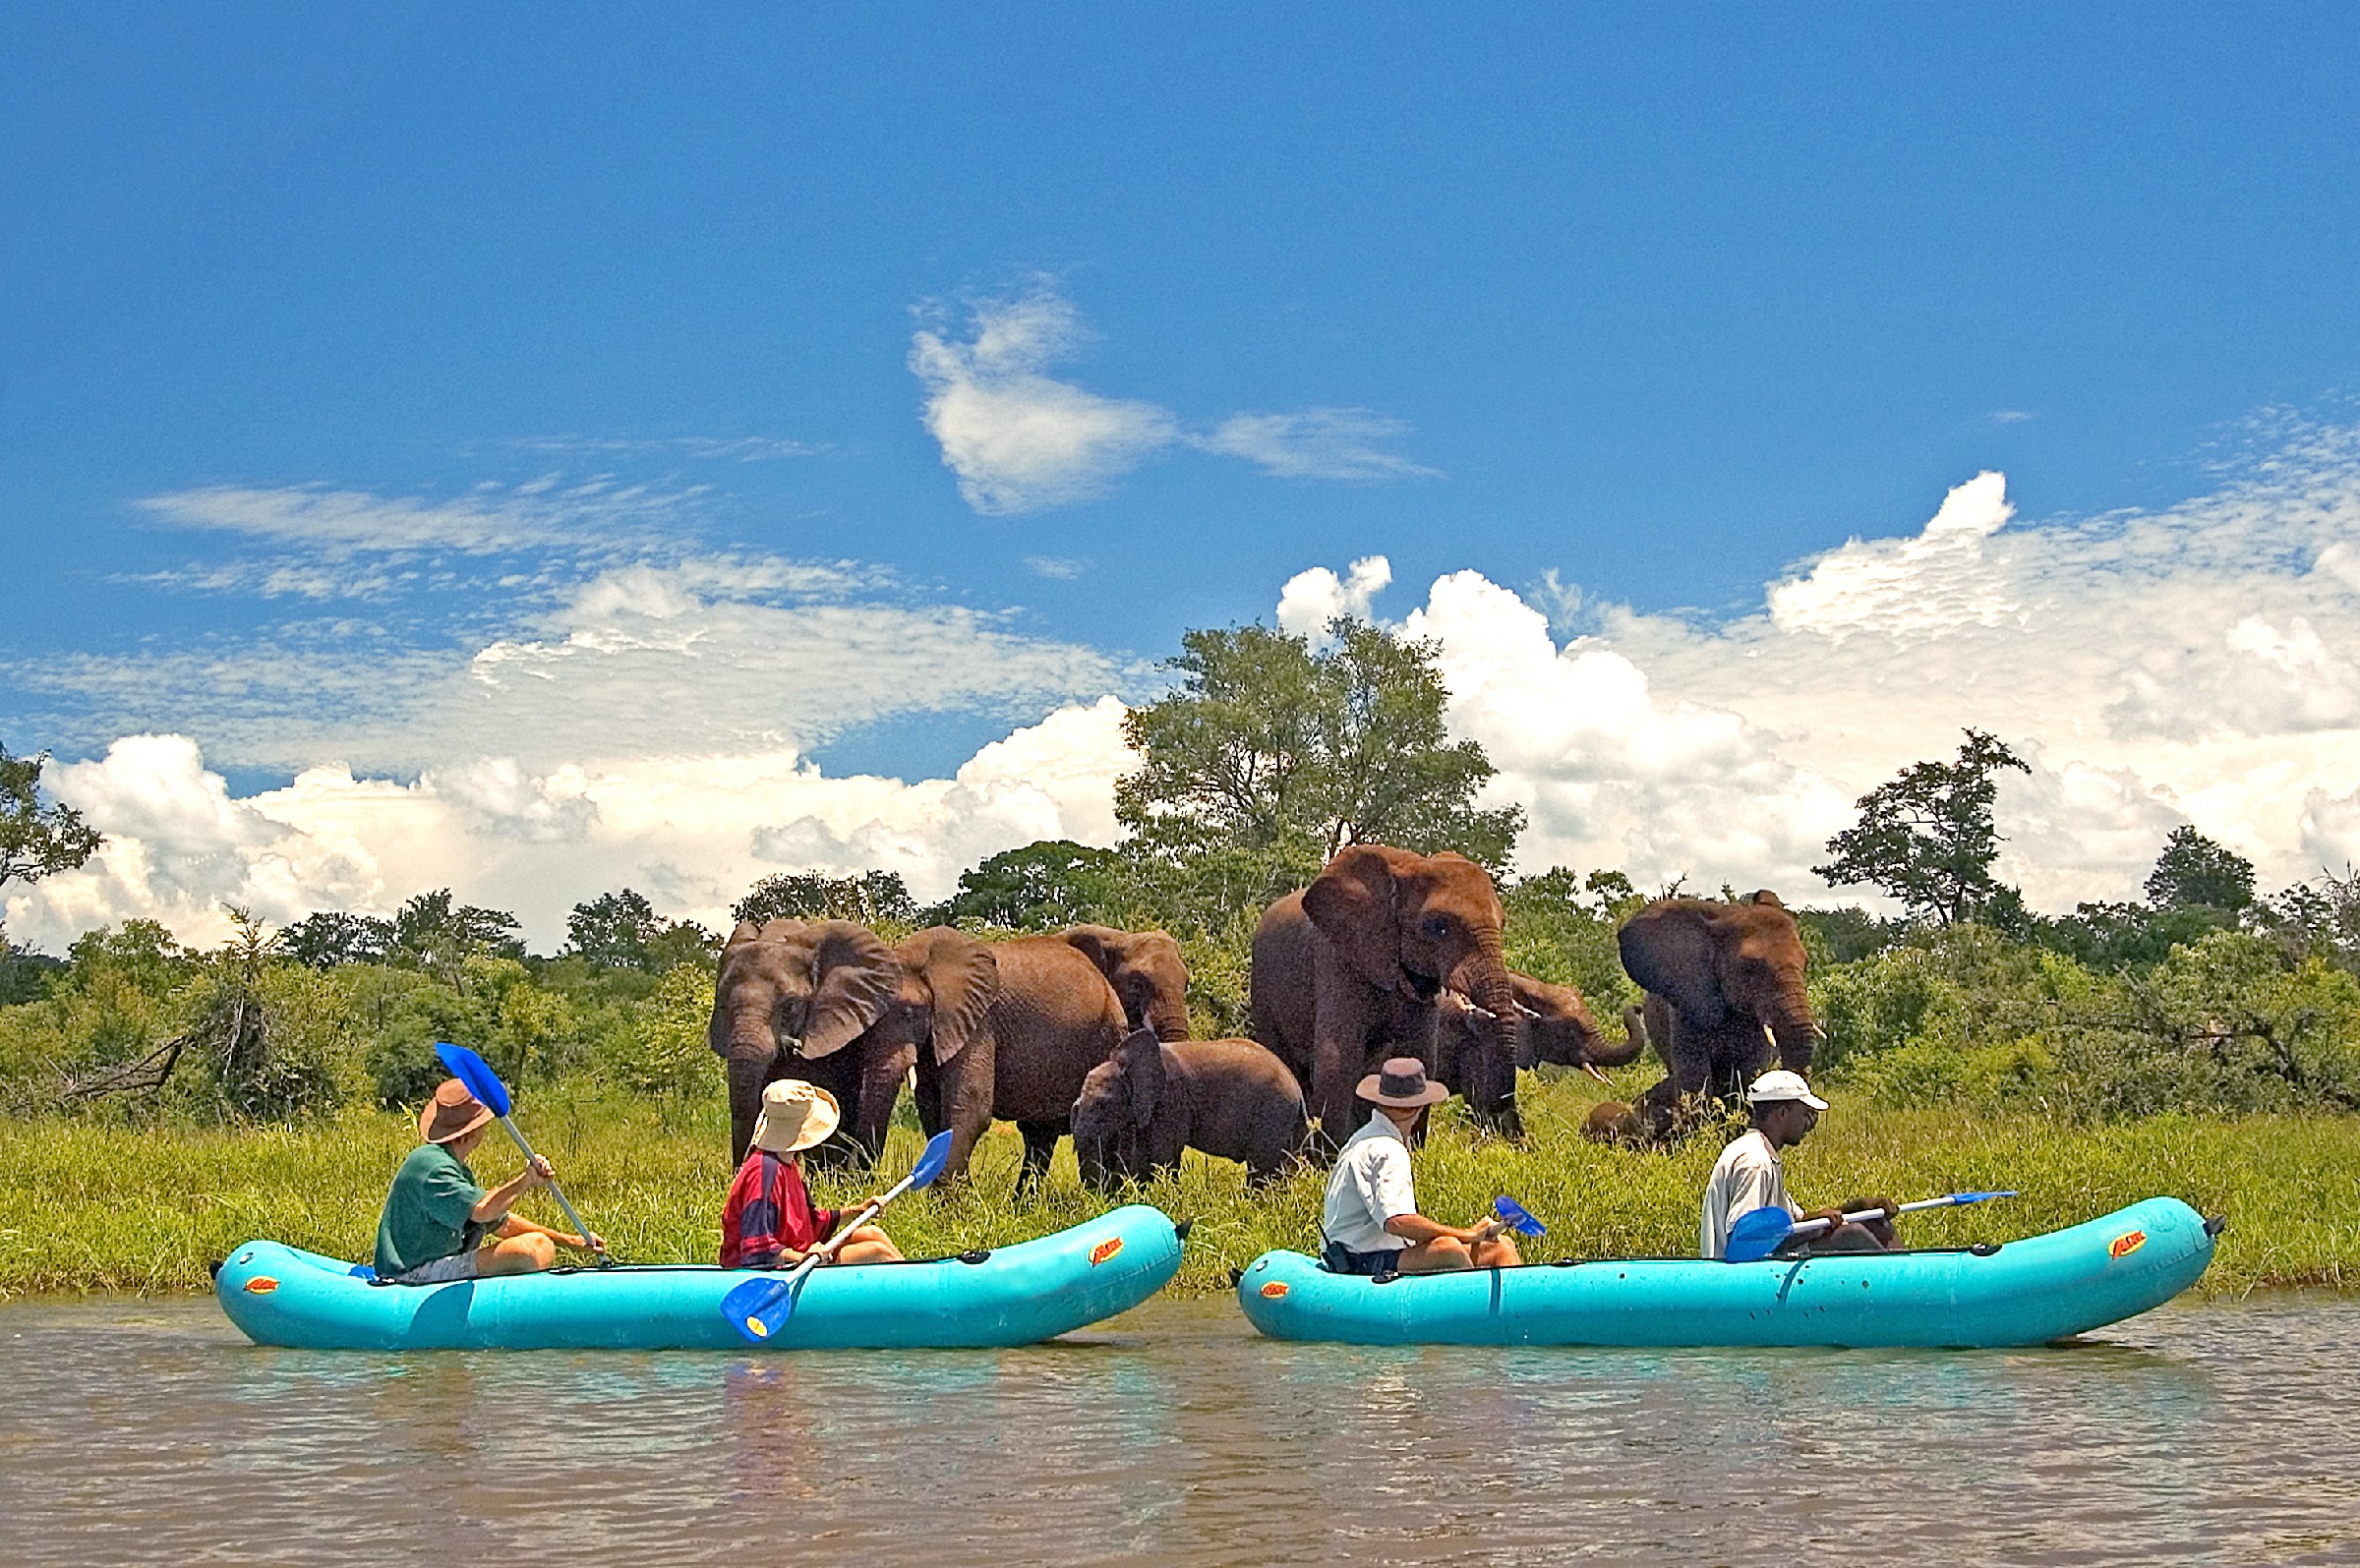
column 427, row 1212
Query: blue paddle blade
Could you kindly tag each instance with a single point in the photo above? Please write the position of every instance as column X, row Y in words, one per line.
column 1518, row 1218
column 1978, row 1198
column 476, row 1073
column 1756, row 1234
column 753, row 1308
column 931, row 1163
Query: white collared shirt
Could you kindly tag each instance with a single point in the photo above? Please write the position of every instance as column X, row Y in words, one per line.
column 1746, row 1177
column 1370, row 1186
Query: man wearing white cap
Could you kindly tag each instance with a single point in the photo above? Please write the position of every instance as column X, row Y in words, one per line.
column 1748, row 1175
column 769, row 1220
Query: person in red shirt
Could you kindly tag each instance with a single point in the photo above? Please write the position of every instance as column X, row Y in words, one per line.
column 770, row 1220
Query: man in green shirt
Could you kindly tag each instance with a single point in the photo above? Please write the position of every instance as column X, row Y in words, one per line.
column 439, row 1225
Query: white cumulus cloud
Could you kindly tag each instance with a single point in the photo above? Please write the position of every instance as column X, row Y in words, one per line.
column 1315, row 595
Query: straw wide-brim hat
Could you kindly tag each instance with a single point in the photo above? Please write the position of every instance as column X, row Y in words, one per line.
column 1402, row 1082
column 795, row 1115
column 451, row 1113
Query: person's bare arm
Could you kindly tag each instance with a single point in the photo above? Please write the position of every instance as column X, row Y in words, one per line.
column 1418, row 1228
column 494, row 1206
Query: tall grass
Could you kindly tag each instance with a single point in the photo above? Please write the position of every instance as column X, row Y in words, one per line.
column 92, row 1205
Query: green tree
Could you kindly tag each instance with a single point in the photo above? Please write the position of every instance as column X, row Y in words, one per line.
column 435, row 933
column 37, row 840
column 614, row 930
column 329, row 938
column 872, row 897
column 1269, row 757
column 2196, row 873
column 1044, row 885
column 1928, row 839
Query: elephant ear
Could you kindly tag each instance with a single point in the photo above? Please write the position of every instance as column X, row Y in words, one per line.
column 1764, row 896
column 962, row 980
column 1102, row 945
column 1140, row 1061
column 1674, row 950
column 854, row 978
column 1352, row 905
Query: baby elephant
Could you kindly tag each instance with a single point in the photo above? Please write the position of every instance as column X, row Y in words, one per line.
column 1152, row 1099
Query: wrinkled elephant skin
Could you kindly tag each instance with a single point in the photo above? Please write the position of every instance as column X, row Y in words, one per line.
column 1728, row 980
column 1232, row 1099
column 1349, row 972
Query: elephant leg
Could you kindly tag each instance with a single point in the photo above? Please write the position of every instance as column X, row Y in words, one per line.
column 1040, row 1147
column 881, row 1076
column 962, row 1101
column 1345, row 1008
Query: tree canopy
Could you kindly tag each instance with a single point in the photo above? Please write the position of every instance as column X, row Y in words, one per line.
column 2196, row 873
column 868, row 898
column 37, row 840
column 1926, row 837
column 1039, row 886
column 1271, row 756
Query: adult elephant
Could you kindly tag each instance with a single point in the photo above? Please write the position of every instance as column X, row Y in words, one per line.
column 788, row 998
column 1559, row 1030
column 1347, row 972
column 1147, row 971
column 1730, row 981
column 1051, row 1018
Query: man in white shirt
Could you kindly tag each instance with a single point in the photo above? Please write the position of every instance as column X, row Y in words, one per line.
column 1748, row 1175
column 1372, row 1224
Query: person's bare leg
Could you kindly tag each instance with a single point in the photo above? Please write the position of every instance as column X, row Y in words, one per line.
column 1441, row 1255
column 516, row 1254
column 868, row 1245
column 1498, row 1252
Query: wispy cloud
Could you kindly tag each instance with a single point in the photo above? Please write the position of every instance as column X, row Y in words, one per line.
column 1020, row 439
column 490, row 520
column 2007, row 416
column 1056, row 567
column 694, row 448
column 1339, row 443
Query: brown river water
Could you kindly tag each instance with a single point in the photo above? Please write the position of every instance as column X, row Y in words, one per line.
column 150, row 1431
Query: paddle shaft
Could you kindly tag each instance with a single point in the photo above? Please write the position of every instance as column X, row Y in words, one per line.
column 834, row 1243
column 1814, row 1227
column 571, row 1218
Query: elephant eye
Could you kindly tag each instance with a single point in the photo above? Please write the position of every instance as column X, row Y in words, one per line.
column 1435, row 927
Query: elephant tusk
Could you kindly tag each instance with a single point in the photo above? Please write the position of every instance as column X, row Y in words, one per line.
column 1526, row 1011
column 1591, row 1068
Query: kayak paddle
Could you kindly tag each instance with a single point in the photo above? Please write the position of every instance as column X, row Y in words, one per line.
column 1759, row 1232
column 1518, row 1218
column 484, row 1083
column 760, row 1307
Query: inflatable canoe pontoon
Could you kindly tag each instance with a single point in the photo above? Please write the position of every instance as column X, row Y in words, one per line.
column 1010, row 1296
column 2019, row 1292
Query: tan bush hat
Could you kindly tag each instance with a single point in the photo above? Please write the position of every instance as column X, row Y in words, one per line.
column 1402, row 1082
column 795, row 1115
column 451, row 1113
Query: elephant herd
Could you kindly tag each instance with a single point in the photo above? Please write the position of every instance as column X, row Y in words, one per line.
column 1084, row 1031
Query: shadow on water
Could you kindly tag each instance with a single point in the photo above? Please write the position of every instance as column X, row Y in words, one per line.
column 149, row 1431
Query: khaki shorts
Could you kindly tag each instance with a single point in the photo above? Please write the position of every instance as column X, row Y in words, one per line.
column 441, row 1270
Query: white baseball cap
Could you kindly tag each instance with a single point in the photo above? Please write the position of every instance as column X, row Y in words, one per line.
column 1779, row 1085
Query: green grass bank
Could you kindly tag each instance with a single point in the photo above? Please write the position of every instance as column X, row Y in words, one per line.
column 98, row 1205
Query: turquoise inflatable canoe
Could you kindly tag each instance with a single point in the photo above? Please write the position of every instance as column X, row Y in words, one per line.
column 1010, row 1296
column 2021, row 1293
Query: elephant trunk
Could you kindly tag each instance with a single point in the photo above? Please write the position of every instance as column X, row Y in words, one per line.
column 1483, row 976
column 1168, row 1018
column 1794, row 1029
column 751, row 1055
column 1601, row 1053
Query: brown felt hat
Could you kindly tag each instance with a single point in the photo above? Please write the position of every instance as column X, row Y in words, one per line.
column 1402, row 1083
column 451, row 1113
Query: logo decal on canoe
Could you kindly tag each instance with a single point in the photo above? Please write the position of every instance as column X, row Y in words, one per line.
column 260, row 1285
column 1274, row 1288
column 1104, row 1250
column 2126, row 1244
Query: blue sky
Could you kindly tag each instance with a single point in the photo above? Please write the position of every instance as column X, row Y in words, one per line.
column 367, row 383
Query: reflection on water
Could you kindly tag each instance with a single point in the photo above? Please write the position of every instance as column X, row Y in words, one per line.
column 152, row 1433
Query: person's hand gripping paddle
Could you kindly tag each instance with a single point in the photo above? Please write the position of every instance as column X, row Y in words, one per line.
column 1516, row 1217
column 760, row 1307
column 484, row 1083
column 1760, row 1232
